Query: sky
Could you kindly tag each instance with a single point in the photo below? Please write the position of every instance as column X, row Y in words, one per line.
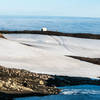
column 78, row 8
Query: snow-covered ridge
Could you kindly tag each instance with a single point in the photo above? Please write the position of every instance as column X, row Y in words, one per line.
column 47, row 54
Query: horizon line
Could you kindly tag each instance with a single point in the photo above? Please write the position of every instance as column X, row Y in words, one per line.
column 46, row 16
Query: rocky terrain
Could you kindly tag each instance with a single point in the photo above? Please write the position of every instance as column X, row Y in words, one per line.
column 19, row 83
column 87, row 59
column 77, row 35
column 1, row 36
column 15, row 82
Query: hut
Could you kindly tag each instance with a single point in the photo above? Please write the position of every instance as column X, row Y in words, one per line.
column 44, row 29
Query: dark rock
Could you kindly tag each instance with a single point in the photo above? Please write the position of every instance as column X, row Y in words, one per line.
column 78, row 35
column 70, row 81
column 87, row 59
column 1, row 35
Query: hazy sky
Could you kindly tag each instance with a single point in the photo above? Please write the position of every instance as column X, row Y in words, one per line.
column 83, row 8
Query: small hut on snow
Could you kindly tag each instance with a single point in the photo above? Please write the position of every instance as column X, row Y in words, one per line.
column 44, row 29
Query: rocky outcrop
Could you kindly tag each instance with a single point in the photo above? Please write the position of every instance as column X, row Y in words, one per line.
column 77, row 35
column 19, row 83
column 60, row 81
column 15, row 82
column 1, row 35
column 87, row 59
